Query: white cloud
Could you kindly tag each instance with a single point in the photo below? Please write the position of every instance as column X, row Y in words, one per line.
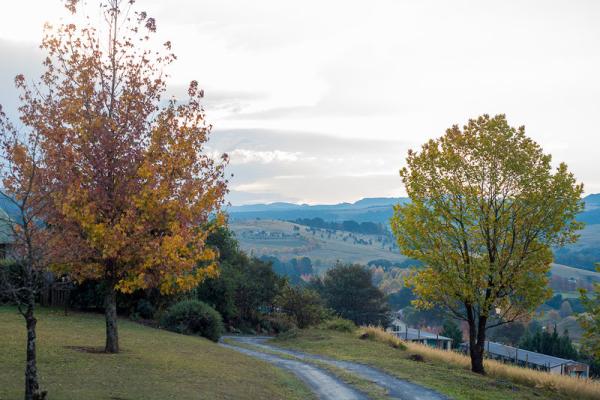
column 245, row 156
column 345, row 87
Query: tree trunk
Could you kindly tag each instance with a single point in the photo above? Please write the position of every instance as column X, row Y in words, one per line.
column 31, row 378
column 110, row 312
column 477, row 344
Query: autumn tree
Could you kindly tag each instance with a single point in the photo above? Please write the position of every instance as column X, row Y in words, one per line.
column 486, row 208
column 132, row 184
column 27, row 254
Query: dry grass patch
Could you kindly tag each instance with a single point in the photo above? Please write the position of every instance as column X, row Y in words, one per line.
column 571, row 386
column 379, row 335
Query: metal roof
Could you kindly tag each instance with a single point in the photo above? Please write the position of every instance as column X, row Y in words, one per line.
column 530, row 357
column 6, row 233
column 416, row 334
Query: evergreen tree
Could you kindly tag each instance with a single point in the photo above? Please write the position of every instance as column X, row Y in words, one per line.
column 451, row 330
column 349, row 291
column 542, row 341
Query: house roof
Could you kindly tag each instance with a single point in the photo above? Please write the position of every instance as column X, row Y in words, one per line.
column 5, row 229
column 416, row 334
column 530, row 357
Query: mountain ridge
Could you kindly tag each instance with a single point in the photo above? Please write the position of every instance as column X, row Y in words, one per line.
column 368, row 209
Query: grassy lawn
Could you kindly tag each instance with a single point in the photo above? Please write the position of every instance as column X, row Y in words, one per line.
column 454, row 381
column 154, row 364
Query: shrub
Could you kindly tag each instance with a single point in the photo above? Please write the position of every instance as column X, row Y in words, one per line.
column 303, row 305
column 339, row 324
column 193, row 317
column 291, row 334
column 145, row 309
column 278, row 323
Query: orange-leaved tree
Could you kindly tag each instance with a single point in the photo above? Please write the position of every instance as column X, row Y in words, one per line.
column 132, row 183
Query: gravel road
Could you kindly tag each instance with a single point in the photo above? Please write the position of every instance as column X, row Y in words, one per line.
column 396, row 388
column 325, row 385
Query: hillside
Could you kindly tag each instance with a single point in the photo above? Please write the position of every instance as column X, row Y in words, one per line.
column 365, row 210
column 376, row 209
column 324, row 247
column 154, row 364
column 286, row 240
column 583, row 254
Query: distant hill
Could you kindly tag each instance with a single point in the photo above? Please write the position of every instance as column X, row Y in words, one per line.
column 377, row 209
column 584, row 254
column 374, row 209
column 591, row 215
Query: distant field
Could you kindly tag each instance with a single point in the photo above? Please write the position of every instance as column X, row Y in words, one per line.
column 570, row 272
column 302, row 242
column 153, row 365
column 320, row 245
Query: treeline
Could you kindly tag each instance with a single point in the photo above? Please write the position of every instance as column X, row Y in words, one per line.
column 578, row 256
column 295, row 270
column 542, row 341
column 366, row 228
column 251, row 295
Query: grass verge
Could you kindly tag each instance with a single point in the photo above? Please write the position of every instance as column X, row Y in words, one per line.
column 153, row 364
column 446, row 372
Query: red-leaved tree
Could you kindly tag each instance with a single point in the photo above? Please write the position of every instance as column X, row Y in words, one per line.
column 132, row 185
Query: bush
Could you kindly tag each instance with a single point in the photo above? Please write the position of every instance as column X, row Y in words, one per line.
column 339, row 324
column 303, row 305
column 278, row 323
column 193, row 317
column 144, row 309
column 291, row 334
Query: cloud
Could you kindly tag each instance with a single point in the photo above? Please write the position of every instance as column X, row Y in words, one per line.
column 300, row 166
column 245, row 156
column 320, row 189
column 337, row 91
column 17, row 58
column 241, row 197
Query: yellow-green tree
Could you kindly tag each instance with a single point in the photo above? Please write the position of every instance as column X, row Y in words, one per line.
column 127, row 170
column 486, row 208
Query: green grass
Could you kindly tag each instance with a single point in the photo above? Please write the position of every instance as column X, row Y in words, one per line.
column 456, row 382
column 153, row 364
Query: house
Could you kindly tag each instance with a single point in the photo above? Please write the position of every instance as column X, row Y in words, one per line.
column 402, row 331
column 533, row 360
column 6, row 233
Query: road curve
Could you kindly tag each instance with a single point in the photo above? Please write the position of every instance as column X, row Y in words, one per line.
column 395, row 387
column 322, row 383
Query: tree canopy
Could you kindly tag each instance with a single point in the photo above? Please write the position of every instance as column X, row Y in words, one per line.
column 349, row 291
column 127, row 170
column 486, row 208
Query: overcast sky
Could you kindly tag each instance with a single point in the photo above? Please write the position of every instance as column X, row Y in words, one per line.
column 319, row 101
